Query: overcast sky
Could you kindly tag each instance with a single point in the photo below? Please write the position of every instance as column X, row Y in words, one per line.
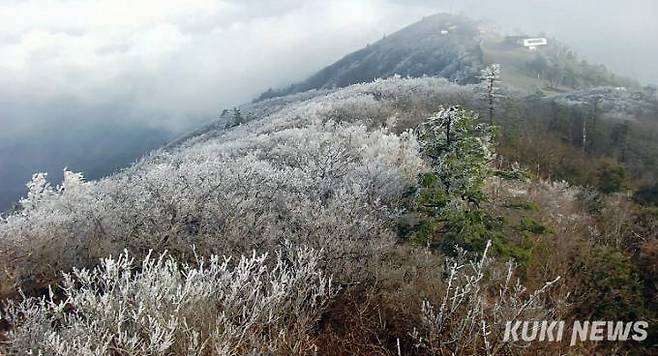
column 174, row 62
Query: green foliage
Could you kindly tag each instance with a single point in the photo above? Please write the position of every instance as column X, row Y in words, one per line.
column 523, row 247
column 647, row 195
column 522, row 205
column 447, row 212
column 469, row 228
column 512, row 174
column 530, row 225
column 611, row 285
column 459, row 149
column 447, row 201
column 611, row 178
column 521, row 252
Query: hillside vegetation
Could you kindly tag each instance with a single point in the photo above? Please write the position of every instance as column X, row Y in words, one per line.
column 355, row 215
column 372, row 213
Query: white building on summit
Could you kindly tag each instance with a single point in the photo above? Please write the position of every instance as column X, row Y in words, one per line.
column 533, row 43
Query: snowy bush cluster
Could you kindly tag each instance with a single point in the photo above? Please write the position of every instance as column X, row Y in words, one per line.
column 409, row 100
column 466, row 319
column 331, row 170
column 325, row 170
column 254, row 305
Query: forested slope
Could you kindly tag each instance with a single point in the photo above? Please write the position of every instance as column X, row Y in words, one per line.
column 370, row 212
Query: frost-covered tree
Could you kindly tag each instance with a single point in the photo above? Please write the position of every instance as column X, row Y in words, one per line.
column 38, row 190
column 459, row 149
column 72, row 182
column 449, row 195
column 490, row 80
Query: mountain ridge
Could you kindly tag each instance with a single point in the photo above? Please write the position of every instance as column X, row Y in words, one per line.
column 416, row 50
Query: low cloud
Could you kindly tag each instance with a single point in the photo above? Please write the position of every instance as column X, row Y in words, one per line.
column 177, row 63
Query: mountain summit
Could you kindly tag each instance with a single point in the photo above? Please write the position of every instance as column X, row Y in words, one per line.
column 441, row 45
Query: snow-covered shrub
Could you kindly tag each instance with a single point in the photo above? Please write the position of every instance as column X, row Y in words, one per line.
column 40, row 194
column 478, row 299
column 301, row 172
column 254, row 305
column 38, row 190
column 49, row 233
